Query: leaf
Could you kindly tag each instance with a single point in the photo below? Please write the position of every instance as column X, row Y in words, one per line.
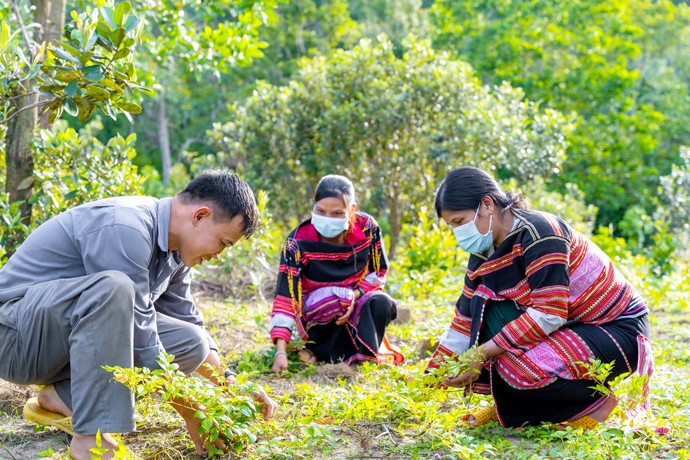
column 206, row 424
column 26, row 183
column 76, row 18
column 131, row 23
column 71, row 194
column 51, row 88
column 117, row 36
column 130, row 107
column 86, row 57
column 121, row 10
column 54, row 115
column 109, row 15
column 64, row 55
column 92, row 40
column 34, row 71
column 69, row 49
column 93, row 73
column 69, row 107
column 4, row 34
column 49, row 452
column 66, row 75
column 71, row 88
column 122, row 52
column 77, row 36
column 104, row 30
column 97, row 93
column 108, row 83
column 109, row 110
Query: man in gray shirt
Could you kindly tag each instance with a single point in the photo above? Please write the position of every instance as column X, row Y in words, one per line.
column 107, row 283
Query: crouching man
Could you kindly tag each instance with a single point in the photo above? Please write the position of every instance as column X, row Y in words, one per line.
column 107, row 283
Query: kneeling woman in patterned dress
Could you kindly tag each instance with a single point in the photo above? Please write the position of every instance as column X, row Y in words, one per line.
column 540, row 300
column 330, row 284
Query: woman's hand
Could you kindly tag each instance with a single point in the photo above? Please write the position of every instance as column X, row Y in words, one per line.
column 280, row 363
column 342, row 319
column 485, row 352
column 345, row 316
column 466, row 378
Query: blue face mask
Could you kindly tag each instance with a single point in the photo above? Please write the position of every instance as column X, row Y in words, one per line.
column 330, row 227
column 470, row 239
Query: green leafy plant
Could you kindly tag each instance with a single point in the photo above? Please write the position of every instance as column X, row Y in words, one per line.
column 455, row 365
column 74, row 168
column 599, row 372
column 226, row 412
column 120, row 454
column 91, row 68
column 627, row 389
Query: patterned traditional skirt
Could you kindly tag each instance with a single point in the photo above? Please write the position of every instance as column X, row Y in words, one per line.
column 362, row 338
column 548, row 382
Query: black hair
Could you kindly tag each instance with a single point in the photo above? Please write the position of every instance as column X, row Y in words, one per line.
column 334, row 186
column 227, row 195
column 465, row 187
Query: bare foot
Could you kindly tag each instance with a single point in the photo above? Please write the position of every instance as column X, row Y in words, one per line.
column 49, row 399
column 306, row 356
column 603, row 412
column 81, row 445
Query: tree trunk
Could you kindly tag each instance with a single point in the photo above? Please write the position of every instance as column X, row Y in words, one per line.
column 164, row 139
column 395, row 214
column 41, row 14
column 19, row 157
column 52, row 26
column 20, row 131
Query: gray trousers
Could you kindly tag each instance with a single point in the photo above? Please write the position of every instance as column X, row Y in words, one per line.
column 61, row 332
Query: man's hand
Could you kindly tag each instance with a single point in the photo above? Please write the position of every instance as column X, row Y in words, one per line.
column 269, row 406
column 187, row 411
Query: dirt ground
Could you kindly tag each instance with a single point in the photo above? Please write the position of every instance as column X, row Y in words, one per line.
column 18, row 439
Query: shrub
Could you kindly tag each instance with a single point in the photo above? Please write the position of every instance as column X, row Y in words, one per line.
column 70, row 169
column 74, row 168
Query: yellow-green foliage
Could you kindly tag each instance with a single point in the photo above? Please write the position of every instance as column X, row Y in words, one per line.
column 225, row 411
column 70, row 169
column 73, row 168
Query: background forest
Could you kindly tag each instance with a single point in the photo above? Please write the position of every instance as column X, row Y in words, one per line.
column 583, row 106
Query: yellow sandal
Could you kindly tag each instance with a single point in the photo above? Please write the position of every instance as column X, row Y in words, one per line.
column 481, row 417
column 583, row 423
column 34, row 413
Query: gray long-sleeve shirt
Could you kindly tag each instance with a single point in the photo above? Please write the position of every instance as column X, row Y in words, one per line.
column 127, row 234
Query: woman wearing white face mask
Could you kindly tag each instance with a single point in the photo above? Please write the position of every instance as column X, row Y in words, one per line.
column 330, row 286
column 539, row 300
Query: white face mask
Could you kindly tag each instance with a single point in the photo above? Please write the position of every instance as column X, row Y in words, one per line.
column 330, row 227
column 469, row 238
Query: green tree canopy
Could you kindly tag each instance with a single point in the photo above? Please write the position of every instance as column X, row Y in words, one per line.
column 394, row 125
column 621, row 65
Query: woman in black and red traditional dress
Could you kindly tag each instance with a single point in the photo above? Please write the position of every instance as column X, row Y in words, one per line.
column 540, row 300
column 330, row 285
